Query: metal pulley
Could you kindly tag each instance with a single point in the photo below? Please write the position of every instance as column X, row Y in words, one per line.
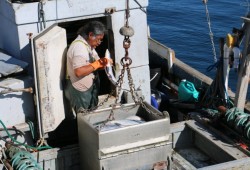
column 127, row 31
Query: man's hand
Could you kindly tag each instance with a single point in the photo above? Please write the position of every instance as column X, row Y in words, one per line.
column 111, row 61
column 102, row 62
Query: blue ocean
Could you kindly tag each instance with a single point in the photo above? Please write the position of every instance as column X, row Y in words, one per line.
column 182, row 25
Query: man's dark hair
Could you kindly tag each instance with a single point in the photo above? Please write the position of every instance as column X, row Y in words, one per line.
column 95, row 27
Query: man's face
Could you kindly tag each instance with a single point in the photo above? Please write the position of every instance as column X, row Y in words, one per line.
column 95, row 40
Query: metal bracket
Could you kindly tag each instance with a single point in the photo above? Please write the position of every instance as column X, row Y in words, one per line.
column 110, row 10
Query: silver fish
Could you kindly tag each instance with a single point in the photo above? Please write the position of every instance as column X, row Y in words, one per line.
column 116, row 124
column 108, row 69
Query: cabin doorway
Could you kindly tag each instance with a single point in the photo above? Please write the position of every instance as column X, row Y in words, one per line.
column 108, row 43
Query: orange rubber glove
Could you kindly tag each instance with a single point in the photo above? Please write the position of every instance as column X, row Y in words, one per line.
column 102, row 62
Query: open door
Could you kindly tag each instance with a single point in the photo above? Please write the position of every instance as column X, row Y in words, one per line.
column 49, row 48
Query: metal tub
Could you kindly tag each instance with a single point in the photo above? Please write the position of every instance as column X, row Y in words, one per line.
column 133, row 147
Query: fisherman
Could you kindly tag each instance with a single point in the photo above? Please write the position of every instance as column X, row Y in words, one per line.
column 82, row 81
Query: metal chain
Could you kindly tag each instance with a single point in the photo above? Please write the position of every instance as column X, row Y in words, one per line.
column 87, row 111
column 137, row 99
column 210, row 30
column 118, row 85
column 125, row 62
column 111, row 115
column 135, row 96
column 127, row 13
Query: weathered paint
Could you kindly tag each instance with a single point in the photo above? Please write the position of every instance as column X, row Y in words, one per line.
column 49, row 61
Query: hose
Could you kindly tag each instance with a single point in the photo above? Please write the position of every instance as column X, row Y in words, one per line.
column 31, row 126
column 25, row 145
column 18, row 132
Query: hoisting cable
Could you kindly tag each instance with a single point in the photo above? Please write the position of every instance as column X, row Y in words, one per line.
column 41, row 15
column 210, row 30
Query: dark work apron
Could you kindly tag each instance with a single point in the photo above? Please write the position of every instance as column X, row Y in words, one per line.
column 86, row 99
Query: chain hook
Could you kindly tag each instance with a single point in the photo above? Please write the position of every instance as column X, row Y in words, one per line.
column 126, row 42
column 126, row 61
